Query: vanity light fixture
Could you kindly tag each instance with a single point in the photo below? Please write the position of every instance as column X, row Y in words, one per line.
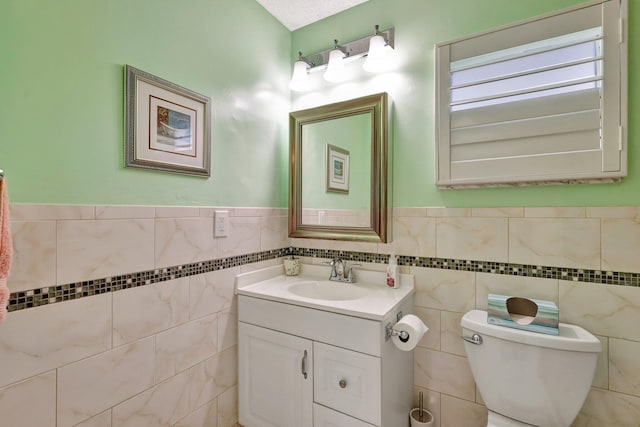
column 377, row 49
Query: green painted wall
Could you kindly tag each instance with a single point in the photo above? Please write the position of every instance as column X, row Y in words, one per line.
column 62, row 101
column 348, row 133
column 419, row 24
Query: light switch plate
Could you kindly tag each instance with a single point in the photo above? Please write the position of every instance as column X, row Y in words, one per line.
column 221, row 224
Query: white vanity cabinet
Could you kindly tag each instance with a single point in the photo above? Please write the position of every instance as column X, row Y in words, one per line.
column 305, row 366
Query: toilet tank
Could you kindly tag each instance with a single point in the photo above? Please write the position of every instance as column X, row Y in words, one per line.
column 534, row 378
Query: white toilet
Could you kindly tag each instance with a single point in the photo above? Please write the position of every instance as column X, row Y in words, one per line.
column 528, row 378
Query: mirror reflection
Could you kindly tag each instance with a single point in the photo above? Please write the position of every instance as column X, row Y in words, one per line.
column 336, row 171
column 339, row 171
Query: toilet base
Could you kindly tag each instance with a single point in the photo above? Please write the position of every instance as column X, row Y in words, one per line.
column 497, row 420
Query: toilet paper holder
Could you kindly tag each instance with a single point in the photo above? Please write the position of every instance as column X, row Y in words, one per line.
column 390, row 332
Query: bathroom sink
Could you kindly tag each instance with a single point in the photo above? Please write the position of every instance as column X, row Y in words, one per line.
column 368, row 298
column 326, row 290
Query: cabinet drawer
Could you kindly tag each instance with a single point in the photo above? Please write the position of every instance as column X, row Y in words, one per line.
column 347, row 381
column 362, row 335
column 325, row 417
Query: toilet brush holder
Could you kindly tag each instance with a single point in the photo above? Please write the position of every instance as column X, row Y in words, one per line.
column 420, row 417
column 427, row 418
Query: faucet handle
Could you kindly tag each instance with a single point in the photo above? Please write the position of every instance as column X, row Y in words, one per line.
column 350, row 274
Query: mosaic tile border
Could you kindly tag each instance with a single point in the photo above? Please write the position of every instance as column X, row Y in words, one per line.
column 59, row 293
column 546, row 272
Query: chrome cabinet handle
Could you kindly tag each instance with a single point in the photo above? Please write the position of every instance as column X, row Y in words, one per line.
column 475, row 339
column 342, row 383
column 304, row 363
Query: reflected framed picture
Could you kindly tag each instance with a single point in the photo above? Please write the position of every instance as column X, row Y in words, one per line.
column 337, row 169
column 168, row 127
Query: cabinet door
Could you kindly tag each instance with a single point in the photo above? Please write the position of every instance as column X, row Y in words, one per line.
column 273, row 390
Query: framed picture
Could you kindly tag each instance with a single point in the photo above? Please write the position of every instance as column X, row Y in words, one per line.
column 168, row 127
column 337, row 169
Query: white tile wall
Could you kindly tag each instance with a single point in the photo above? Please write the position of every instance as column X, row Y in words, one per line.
column 119, row 358
column 161, row 354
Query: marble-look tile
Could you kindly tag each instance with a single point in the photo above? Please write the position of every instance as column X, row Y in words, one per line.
column 431, row 402
column 184, row 240
column 606, row 408
column 555, row 212
column 166, row 304
column 211, row 292
column 601, row 377
column 213, row 376
column 621, row 245
column 163, row 405
column 185, row 345
column 413, row 236
column 624, row 369
column 431, row 318
column 34, row 255
column 443, row 372
column 573, row 243
column 439, row 289
column 451, row 339
column 206, row 415
column 30, row 403
column 608, row 310
column 125, row 212
column 612, row 212
column 337, row 245
column 177, row 211
column 449, row 212
column 228, row 408
column 93, row 249
column 498, row 212
column 256, row 211
column 274, row 232
column 415, row 212
column 529, row 287
column 46, row 337
column 482, row 239
column 36, row 212
column 101, row 420
column 458, row 412
column 228, row 328
column 243, row 237
column 90, row 386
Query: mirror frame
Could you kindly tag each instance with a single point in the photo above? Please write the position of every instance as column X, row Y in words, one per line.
column 380, row 211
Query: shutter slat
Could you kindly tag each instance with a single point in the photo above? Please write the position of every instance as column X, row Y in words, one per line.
column 539, row 126
column 539, row 145
column 535, row 107
column 553, row 166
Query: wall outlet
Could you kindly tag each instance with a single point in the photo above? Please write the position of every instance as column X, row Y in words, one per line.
column 221, row 224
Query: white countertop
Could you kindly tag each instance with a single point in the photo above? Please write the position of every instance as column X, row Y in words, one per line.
column 368, row 298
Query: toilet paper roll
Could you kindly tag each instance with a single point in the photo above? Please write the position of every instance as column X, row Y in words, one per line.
column 412, row 325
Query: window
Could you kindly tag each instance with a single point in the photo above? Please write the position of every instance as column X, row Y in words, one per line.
column 539, row 101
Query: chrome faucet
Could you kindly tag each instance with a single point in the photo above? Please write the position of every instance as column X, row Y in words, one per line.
column 340, row 272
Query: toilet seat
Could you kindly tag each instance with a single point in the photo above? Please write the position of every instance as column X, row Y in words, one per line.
column 497, row 420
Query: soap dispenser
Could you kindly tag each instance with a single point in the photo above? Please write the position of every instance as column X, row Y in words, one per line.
column 393, row 272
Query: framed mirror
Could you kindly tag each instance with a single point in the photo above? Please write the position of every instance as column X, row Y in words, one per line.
column 338, row 186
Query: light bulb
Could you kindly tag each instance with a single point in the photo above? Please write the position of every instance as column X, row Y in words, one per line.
column 380, row 55
column 300, row 78
column 335, row 68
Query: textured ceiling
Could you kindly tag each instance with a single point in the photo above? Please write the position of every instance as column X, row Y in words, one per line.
column 295, row 14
